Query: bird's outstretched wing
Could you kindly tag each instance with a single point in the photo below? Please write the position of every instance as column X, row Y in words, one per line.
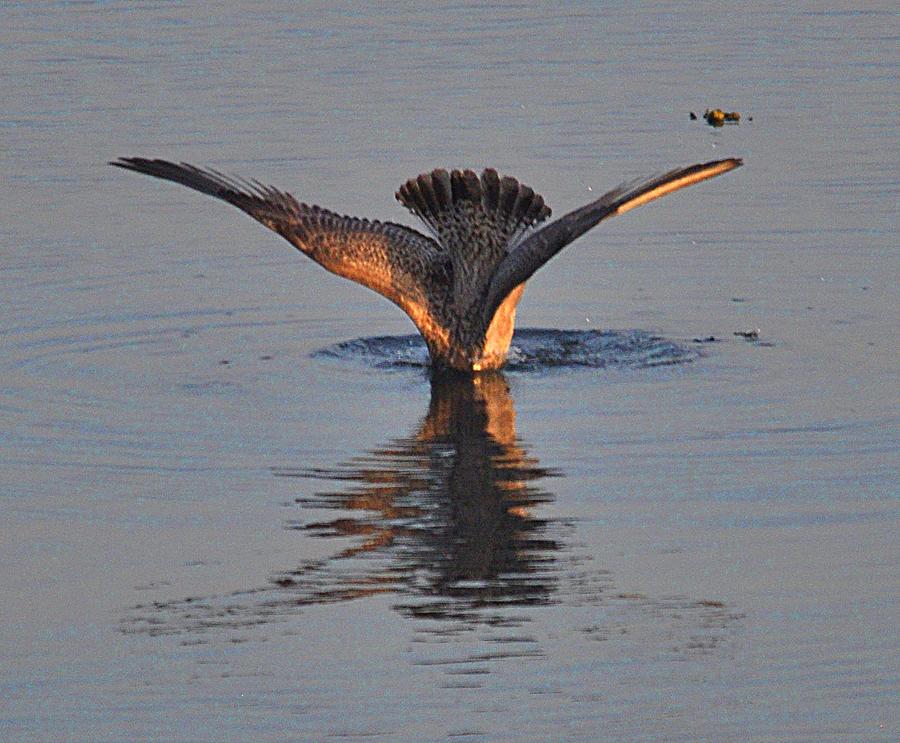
column 540, row 247
column 388, row 258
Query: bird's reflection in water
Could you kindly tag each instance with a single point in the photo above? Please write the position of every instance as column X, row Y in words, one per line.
column 449, row 524
column 447, row 518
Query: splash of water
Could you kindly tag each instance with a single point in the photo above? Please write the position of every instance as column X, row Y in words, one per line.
column 532, row 349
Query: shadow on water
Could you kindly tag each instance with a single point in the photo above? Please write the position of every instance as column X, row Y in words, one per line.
column 448, row 524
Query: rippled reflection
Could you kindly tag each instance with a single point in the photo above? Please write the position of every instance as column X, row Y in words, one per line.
column 447, row 516
column 448, row 523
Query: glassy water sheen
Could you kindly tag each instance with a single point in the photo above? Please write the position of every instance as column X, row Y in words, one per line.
column 234, row 504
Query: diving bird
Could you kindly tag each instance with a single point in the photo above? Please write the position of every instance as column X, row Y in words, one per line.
column 460, row 286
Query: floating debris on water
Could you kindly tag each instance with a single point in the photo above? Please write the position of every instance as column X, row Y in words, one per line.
column 750, row 335
column 717, row 117
column 714, row 117
column 707, row 339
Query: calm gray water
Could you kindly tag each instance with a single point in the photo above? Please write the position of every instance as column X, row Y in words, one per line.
column 233, row 506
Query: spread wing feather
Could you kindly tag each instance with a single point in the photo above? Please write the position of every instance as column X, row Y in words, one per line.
column 388, row 258
column 540, row 247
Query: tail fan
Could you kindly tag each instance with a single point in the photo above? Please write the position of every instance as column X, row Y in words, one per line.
column 477, row 220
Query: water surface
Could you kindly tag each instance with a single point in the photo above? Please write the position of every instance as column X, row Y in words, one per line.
column 236, row 507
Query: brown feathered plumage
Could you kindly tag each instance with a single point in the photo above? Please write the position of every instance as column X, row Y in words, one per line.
column 460, row 287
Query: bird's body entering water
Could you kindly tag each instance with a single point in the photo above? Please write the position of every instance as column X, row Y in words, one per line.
column 461, row 286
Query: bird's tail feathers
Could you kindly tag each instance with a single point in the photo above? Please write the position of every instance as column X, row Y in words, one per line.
column 459, row 201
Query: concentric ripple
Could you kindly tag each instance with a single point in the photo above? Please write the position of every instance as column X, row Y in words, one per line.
column 532, row 349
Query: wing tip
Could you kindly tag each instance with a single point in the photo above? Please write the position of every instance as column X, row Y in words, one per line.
column 137, row 164
column 673, row 181
column 122, row 162
column 716, row 167
column 729, row 163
